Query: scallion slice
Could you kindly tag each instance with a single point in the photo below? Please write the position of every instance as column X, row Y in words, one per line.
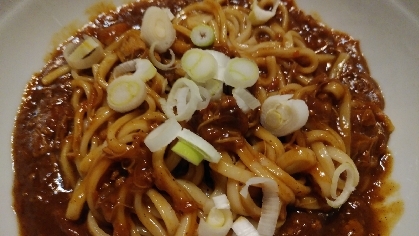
column 163, row 135
column 218, row 223
column 259, row 15
column 282, row 115
column 142, row 68
column 243, row 227
column 221, row 202
column 245, row 100
column 271, row 204
column 84, row 55
column 157, row 27
column 188, row 152
column 199, row 65
column 202, row 35
column 206, row 149
column 241, row 73
column 184, row 95
column 126, row 93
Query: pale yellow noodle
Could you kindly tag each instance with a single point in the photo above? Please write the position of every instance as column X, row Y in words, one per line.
column 90, row 159
column 166, row 211
column 113, row 143
column 55, row 74
column 233, row 194
column 200, row 197
column 101, row 117
column 324, row 136
column 66, row 164
column 337, row 67
column 232, row 171
column 188, row 224
column 93, row 226
column 297, row 160
column 345, row 120
column 269, row 138
column 76, row 202
column 146, row 218
column 255, row 166
column 100, row 71
column 165, row 181
column 323, row 157
column 91, row 182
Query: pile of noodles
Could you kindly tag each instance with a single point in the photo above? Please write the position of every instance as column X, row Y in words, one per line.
column 130, row 190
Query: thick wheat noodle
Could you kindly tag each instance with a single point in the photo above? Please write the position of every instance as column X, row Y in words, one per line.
column 233, row 194
column 291, row 53
column 273, row 71
column 101, row 117
column 77, row 200
column 268, row 137
column 245, row 25
column 324, row 136
column 65, row 163
column 232, row 171
column 113, row 143
column 91, row 183
column 56, row 73
column 146, row 218
column 252, row 162
column 93, row 226
column 323, row 158
column 182, row 200
column 101, row 70
column 88, row 161
column 345, row 120
column 165, row 209
column 187, row 224
column 283, row 177
column 198, row 195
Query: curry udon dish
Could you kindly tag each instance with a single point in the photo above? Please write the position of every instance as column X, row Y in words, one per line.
column 202, row 118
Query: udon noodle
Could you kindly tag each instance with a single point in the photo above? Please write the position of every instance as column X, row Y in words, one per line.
column 125, row 189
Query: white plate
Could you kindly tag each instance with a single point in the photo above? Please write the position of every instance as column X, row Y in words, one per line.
column 388, row 30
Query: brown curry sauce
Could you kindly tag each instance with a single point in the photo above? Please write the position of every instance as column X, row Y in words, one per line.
column 45, row 117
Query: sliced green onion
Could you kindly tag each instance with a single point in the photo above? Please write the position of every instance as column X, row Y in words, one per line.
column 218, row 223
column 282, row 115
column 259, row 16
column 214, row 87
column 184, row 95
column 222, row 61
column 271, row 204
column 188, row 152
column 126, row 93
column 209, row 152
column 84, row 55
column 243, row 227
column 350, row 183
column 241, row 73
column 157, row 27
column 202, row 35
column 169, row 13
column 142, row 69
column 199, row 65
column 221, row 202
column 163, row 135
column 206, row 97
column 245, row 100
column 158, row 64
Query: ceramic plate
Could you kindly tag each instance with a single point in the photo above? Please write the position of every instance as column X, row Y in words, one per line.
column 388, row 31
